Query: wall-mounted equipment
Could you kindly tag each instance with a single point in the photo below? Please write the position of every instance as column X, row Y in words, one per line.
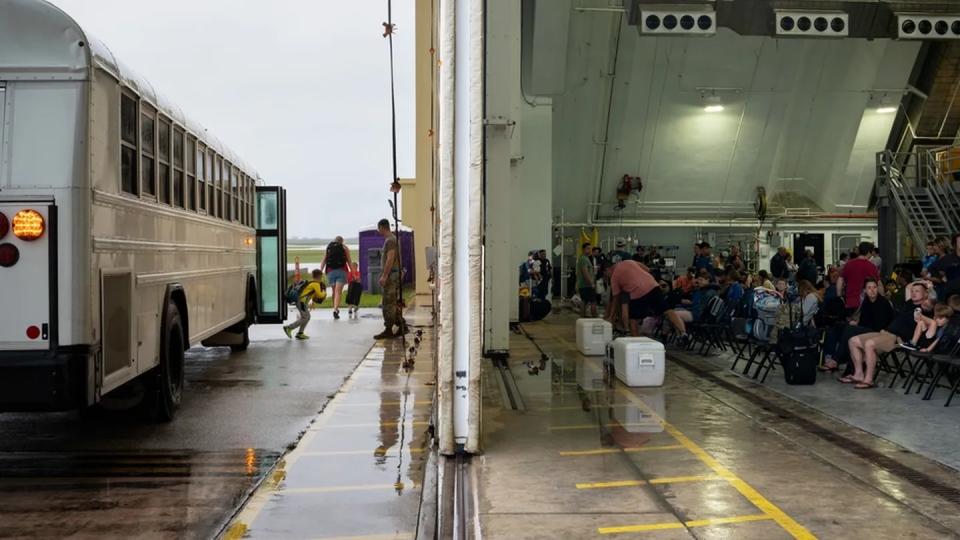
column 680, row 21
column 928, row 26
column 828, row 24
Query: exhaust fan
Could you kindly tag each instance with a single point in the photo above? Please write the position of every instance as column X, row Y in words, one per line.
column 832, row 24
column 928, row 26
column 678, row 22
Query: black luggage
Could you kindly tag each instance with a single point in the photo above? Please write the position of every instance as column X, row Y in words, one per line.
column 354, row 292
column 800, row 365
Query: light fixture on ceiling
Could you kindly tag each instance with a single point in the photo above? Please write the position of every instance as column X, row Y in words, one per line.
column 712, row 102
column 886, row 110
column 928, row 27
column 679, row 20
column 828, row 24
column 885, row 103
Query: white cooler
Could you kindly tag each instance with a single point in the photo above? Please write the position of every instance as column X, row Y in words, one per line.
column 593, row 336
column 637, row 361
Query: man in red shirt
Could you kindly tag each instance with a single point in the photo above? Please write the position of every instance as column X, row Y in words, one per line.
column 640, row 296
column 853, row 276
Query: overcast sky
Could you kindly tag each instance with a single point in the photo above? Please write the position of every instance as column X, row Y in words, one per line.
column 298, row 88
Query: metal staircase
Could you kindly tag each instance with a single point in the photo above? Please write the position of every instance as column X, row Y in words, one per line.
column 922, row 188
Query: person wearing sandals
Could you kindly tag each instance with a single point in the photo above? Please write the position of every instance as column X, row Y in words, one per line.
column 874, row 314
column 866, row 348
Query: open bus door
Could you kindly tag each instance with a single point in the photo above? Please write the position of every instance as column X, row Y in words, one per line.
column 271, row 254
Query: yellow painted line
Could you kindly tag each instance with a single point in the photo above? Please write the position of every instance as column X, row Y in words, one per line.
column 375, row 451
column 631, row 450
column 343, row 489
column 776, row 514
column 595, row 426
column 371, row 425
column 682, row 525
column 654, row 481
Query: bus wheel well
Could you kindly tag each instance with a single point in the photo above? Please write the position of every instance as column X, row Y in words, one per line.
column 176, row 295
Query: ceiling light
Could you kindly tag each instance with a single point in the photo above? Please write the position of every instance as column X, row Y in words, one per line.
column 713, row 108
column 886, row 110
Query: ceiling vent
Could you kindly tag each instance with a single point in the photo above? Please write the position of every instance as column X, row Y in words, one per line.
column 681, row 22
column 928, row 26
column 829, row 24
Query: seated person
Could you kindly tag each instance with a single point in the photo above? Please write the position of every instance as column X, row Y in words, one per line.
column 928, row 332
column 692, row 309
column 866, row 348
column 875, row 314
column 731, row 290
column 685, row 282
column 809, row 301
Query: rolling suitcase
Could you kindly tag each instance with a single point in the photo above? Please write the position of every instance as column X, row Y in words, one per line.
column 354, row 291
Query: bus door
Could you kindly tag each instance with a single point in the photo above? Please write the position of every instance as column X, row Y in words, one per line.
column 271, row 254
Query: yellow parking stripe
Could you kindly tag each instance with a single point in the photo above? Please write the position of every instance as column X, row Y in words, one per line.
column 653, row 481
column 686, row 524
column 786, row 522
column 631, row 450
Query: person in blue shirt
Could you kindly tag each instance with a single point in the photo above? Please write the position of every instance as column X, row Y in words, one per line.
column 704, row 260
column 930, row 258
column 731, row 288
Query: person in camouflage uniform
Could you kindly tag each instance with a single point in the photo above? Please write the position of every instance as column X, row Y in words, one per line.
column 390, row 283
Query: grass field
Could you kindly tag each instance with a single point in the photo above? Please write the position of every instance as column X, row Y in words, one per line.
column 307, row 256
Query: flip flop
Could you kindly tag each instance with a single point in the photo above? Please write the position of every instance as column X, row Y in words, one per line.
column 848, row 380
column 865, row 385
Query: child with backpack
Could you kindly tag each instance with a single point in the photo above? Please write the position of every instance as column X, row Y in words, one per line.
column 301, row 294
column 354, row 290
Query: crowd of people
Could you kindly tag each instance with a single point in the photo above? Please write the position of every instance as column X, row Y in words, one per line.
column 861, row 313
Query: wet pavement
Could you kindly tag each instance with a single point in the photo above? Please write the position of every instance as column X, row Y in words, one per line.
column 359, row 469
column 114, row 476
column 707, row 455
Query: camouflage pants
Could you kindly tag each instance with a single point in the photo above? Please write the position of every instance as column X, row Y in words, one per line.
column 391, row 305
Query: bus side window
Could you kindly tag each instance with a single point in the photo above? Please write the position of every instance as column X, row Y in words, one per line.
column 190, row 190
column 128, row 145
column 163, row 155
column 211, row 204
column 201, row 178
column 148, row 151
column 178, row 169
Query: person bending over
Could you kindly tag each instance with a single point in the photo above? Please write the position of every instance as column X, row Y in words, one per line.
column 640, row 296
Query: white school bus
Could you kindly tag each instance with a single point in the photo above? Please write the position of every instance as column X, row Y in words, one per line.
column 127, row 232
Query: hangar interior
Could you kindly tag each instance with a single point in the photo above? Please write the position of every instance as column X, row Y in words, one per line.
column 580, row 97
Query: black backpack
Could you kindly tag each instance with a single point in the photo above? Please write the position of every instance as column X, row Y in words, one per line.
column 336, row 256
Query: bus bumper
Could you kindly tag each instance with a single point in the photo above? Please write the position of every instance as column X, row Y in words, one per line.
column 44, row 380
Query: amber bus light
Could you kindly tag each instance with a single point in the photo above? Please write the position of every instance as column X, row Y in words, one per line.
column 28, row 225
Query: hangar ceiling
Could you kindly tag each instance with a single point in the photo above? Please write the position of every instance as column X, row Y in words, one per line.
column 800, row 118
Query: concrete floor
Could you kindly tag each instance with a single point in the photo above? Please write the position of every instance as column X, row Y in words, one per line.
column 708, row 455
column 359, row 469
column 114, row 476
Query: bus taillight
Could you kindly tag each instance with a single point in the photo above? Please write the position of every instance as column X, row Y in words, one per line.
column 28, row 225
column 4, row 225
column 9, row 255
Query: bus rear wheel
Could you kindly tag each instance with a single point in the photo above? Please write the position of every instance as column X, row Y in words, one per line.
column 164, row 384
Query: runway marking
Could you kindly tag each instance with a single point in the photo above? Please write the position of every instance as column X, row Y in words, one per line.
column 605, row 451
column 341, row 489
column 684, row 524
column 652, row 481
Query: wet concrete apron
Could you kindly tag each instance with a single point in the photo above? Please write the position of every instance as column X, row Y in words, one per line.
column 705, row 456
column 114, row 476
